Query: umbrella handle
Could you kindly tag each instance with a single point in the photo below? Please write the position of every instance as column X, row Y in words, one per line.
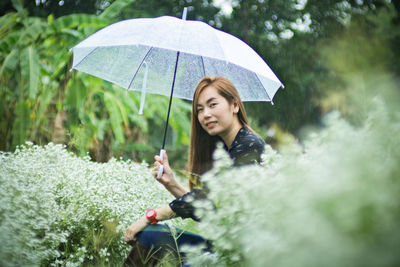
column 161, row 169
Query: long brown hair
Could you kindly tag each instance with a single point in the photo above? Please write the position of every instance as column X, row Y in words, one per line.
column 202, row 144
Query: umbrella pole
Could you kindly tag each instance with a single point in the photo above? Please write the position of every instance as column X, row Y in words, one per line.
column 161, row 169
column 172, row 91
column 170, row 100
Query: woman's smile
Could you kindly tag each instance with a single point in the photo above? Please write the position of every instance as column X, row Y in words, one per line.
column 211, row 124
column 215, row 114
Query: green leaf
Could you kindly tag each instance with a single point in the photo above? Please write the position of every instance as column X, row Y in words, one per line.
column 74, row 21
column 21, row 124
column 115, row 8
column 76, row 93
column 100, row 128
column 18, row 5
column 7, row 22
column 140, row 122
column 10, row 62
column 7, row 43
column 61, row 64
column 50, row 19
column 124, row 109
column 115, row 117
column 30, row 69
column 44, row 100
column 32, row 32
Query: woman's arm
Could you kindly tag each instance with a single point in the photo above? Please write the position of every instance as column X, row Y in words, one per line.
column 164, row 213
column 167, row 179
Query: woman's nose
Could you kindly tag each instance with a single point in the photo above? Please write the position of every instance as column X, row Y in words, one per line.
column 206, row 113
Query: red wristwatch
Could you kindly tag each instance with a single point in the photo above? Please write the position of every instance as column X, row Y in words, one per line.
column 151, row 216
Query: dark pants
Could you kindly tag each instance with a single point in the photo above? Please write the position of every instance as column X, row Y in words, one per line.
column 156, row 242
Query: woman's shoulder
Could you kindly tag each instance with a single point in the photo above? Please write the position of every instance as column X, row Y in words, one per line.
column 247, row 147
column 251, row 139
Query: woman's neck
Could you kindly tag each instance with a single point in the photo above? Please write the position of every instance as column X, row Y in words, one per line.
column 230, row 135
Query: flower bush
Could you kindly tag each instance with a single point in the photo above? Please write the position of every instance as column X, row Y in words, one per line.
column 59, row 209
column 332, row 201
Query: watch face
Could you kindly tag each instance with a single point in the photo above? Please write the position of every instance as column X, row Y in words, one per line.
column 150, row 213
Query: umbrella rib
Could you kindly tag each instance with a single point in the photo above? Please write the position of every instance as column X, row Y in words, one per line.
column 141, row 63
column 202, row 63
column 258, row 79
column 86, row 57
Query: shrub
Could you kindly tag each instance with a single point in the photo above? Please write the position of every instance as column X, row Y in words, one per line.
column 332, row 201
column 56, row 208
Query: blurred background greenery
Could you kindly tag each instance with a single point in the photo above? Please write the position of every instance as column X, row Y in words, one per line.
column 310, row 44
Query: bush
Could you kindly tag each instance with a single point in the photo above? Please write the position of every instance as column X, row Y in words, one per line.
column 59, row 209
column 332, row 201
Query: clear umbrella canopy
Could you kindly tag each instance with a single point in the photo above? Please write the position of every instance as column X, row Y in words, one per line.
column 135, row 52
column 169, row 56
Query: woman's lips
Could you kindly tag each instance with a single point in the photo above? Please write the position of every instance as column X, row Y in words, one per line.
column 211, row 124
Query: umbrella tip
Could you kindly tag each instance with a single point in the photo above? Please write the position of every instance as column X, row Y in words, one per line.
column 272, row 102
column 184, row 13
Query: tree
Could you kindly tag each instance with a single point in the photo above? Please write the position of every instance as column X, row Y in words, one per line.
column 291, row 38
column 43, row 101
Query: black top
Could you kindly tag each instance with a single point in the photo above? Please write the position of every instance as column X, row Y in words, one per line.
column 246, row 148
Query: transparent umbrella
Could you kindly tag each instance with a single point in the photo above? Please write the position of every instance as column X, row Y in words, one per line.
column 168, row 56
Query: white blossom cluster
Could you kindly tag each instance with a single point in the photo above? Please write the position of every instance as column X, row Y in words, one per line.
column 334, row 200
column 59, row 209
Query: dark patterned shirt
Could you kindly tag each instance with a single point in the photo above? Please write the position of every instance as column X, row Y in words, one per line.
column 246, row 148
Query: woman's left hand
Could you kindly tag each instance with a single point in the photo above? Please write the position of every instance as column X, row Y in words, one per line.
column 135, row 228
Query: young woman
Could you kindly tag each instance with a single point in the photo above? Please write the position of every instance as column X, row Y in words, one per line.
column 218, row 115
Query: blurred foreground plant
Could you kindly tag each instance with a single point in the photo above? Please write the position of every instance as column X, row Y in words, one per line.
column 333, row 202
column 334, row 199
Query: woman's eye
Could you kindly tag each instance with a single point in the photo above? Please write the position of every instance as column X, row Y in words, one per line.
column 213, row 104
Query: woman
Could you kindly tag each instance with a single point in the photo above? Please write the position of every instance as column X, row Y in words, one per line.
column 218, row 115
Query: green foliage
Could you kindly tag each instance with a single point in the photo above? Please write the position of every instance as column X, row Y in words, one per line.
column 115, row 8
column 45, row 102
column 297, row 60
column 29, row 61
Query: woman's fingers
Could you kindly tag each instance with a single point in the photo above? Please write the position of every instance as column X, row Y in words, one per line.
column 134, row 229
column 158, row 159
column 165, row 157
column 165, row 160
column 158, row 162
column 129, row 235
column 156, row 168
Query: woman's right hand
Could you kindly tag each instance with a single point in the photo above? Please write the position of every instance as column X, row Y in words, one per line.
column 167, row 179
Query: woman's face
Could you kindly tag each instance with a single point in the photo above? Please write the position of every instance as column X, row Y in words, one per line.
column 216, row 116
